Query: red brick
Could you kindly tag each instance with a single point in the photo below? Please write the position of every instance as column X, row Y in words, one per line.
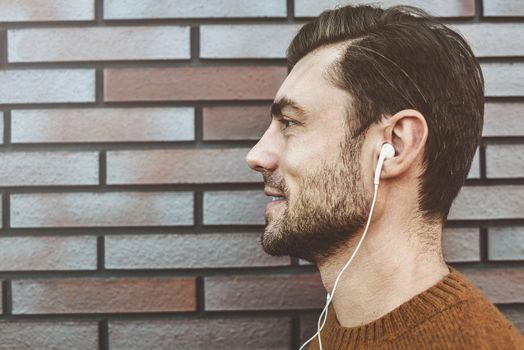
column 48, row 253
column 223, row 333
column 504, row 119
column 179, row 166
column 264, row 292
column 235, row 123
column 47, row 10
column 163, row 251
column 193, row 83
column 500, row 285
column 111, row 295
column 48, row 335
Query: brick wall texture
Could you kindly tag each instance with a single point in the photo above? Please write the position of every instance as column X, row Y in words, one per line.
column 129, row 219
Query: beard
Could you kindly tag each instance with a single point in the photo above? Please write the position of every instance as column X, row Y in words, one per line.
column 324, row 216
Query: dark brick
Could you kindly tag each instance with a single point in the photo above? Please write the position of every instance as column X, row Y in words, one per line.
column 18, row 335
column 193, row 83
column 264, row 292
column 214, row 250
column 112, row 295
column 230, row 333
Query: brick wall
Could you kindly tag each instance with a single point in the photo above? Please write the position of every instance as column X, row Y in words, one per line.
column 129, row 218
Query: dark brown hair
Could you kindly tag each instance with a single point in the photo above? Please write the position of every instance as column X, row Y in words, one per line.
column 400, row 58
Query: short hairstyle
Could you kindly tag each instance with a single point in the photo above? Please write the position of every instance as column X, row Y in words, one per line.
column 399, row 58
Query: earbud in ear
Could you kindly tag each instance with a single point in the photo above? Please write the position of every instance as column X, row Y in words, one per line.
column 386, row 152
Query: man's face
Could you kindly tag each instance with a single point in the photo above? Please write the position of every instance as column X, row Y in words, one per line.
column 307, row 156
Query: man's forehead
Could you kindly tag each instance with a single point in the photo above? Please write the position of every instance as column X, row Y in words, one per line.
column 325, row 53
column 312, row 67
column 308, row 86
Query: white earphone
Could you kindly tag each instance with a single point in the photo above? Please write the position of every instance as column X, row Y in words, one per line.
column 386, row 152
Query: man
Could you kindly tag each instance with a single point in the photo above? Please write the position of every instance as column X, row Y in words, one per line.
column 361, row 77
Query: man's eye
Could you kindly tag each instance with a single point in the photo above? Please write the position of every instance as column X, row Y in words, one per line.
column 286, row 122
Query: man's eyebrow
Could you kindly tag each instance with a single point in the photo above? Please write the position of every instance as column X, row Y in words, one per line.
column 284, row 102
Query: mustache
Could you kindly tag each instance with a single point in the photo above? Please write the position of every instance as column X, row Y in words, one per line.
column 271, row 181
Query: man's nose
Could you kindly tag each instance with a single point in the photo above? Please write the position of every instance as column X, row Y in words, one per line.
column 263, row 156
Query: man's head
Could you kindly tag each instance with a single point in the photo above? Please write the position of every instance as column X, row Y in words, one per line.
column 359, row 77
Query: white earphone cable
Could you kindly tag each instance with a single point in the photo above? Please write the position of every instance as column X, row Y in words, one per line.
column 330, row 296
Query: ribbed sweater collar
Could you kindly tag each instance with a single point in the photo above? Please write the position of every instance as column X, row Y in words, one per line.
column 452, row 289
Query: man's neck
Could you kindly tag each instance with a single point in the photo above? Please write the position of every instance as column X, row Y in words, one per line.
column 389, row 269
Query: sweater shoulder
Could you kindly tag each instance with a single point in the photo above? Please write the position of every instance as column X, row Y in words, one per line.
column 475, row 323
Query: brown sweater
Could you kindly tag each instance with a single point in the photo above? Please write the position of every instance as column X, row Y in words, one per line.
column 452, row 314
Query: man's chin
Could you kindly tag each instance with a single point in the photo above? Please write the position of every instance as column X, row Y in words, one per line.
column 284, row 238
column 272, row 241
column 276, row 242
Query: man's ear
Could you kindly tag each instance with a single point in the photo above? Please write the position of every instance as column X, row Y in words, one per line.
column 407, row 131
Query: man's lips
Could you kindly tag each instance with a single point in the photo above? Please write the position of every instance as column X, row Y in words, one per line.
column 273, row 193
column 274, row 204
